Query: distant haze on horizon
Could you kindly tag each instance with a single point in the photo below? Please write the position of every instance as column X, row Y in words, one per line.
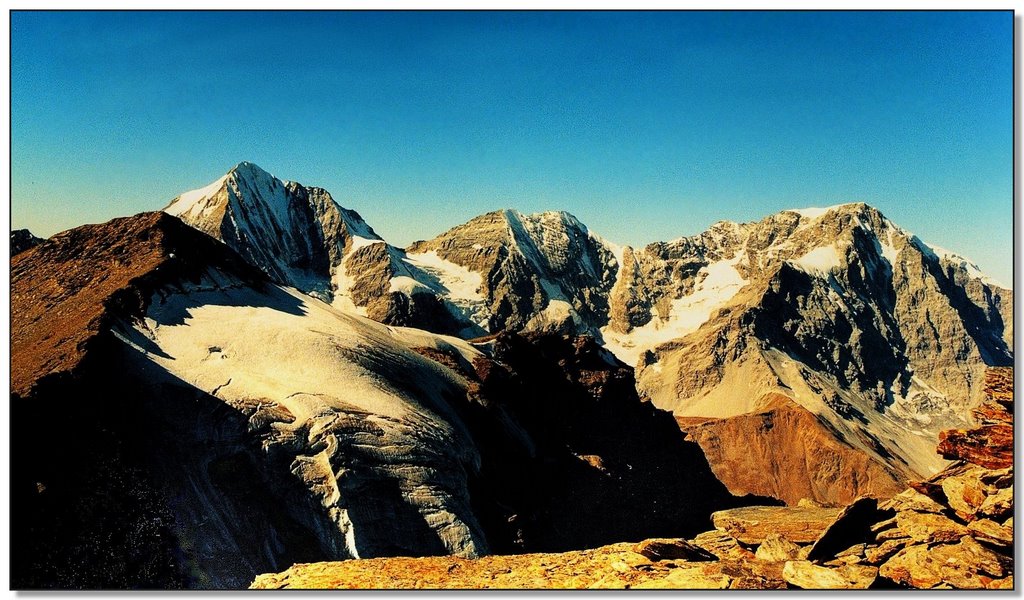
column 646, row 126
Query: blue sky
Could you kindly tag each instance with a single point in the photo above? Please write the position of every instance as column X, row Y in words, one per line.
column 646, row 126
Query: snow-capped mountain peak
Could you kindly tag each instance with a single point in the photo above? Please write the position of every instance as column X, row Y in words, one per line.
column 296, row 234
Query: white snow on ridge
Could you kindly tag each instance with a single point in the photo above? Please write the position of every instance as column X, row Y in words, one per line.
column 721, row 282
column 461, row 287
column 888, row 250
column 812, row 212
column 360, row 241
column 973, row 271
column 268, row 343
column 186, row 202
column 407, row 285
column 342, row 284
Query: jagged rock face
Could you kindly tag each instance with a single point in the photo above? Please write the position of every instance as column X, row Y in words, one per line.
column 22, row 240
column 542, row 272
column 501, row 271
column 299, row 236
column 870, row 331
column 878, row 335
column 787, row 453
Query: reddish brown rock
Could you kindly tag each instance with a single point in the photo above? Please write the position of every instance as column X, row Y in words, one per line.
column 65, row 289
column 785, row 452
column 775, row 548
column 878, row 554
column 989, row 531
column 912, row 499
column 999, row 386
column 608, row 567
column 965, row 493
column 809, row 576
column 999, row 505
column 753, row 524
column 672, row 549
column 990, row 446
column 722, row 545
column 966, row 565
column 928, row 528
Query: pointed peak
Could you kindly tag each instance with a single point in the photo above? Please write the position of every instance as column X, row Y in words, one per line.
column 247, row 173
column 250, row 170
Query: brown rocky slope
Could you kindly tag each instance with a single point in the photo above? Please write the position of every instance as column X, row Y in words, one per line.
column 87, row 512
column 788, row 453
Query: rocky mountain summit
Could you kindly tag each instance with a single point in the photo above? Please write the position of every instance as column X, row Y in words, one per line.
column 503, row 270
column 231, row 426
column 883, row 339
column 540, row 272
column 954, row 530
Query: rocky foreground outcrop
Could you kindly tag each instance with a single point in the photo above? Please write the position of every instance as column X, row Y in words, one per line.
column 954, row 530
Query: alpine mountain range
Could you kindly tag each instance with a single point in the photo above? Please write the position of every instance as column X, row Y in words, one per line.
column 280, row 384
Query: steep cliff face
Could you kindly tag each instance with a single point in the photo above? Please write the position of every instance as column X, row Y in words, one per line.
column 541, row 272
column 855, row 319
column 295, row 234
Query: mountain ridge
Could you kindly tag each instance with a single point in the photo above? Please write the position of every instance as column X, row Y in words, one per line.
column 847, row 314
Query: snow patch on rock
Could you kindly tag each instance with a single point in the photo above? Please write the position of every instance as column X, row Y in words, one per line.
column 820, row 261
column 719, row 282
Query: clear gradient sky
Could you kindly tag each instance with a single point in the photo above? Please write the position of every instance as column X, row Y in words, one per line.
column 646, row 126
